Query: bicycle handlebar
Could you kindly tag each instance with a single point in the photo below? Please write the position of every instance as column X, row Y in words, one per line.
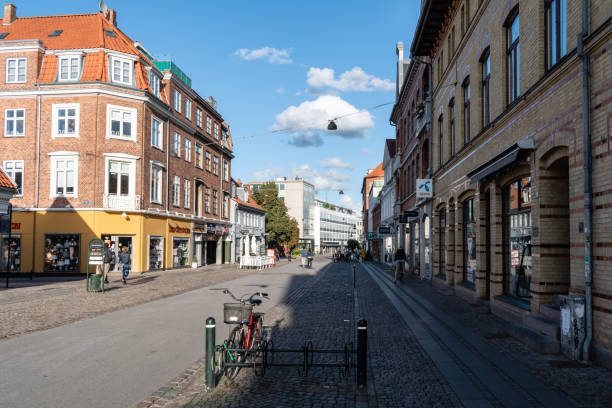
column 245, row 297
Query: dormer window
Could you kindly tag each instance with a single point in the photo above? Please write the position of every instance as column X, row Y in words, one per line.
column 121, row 70
column 154, row 82
column 69, row 68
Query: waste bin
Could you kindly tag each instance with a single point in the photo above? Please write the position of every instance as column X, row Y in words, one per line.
column 572, row 325
column 95, row 283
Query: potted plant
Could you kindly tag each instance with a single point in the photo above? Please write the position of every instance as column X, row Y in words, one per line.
column 194, row 263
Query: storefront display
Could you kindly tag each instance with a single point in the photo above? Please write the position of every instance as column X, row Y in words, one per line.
column 469, row 241
column 518, row 221
column 156, row 253
column 180, row 252
column 15, row 254
column 62, row 252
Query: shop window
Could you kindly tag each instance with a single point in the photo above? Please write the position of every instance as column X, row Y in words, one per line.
column 469, row 241
column 180, row 252
column 62, row 252
column 416, row 261
column 442, row 247
column 517, row 234
column 156, row 252
column 11, row 253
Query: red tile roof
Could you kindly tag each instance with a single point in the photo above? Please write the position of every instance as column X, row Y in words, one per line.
column 377, row 172
column 251, row 203
column 6, row 182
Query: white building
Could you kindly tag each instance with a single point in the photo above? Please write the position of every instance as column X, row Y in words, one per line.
column 249, row 225
column 299, row 197
column 333, row 226
column 389, row 212
column 373, row 200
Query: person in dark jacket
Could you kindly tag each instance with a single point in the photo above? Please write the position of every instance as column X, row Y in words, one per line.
column 399, row 258
column 125, row 261
column 108, row 259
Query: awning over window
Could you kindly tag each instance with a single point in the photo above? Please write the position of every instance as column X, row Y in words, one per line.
column 500, row 161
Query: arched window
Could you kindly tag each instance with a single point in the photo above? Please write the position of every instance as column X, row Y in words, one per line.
column 441, row 139
column 466, row 110
column 485, row 63
column 451, row 126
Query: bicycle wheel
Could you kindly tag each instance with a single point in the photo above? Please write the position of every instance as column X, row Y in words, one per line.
column 257, row 334
column 235, row 341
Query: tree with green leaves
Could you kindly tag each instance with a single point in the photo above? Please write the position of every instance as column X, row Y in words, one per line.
column 281, row 229
column 352, row 244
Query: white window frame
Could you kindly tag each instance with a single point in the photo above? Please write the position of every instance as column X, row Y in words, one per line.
column 133, row 122
column 11, row 173
column 207, row 195
column 199, row 118
column 154, row 83
column 208, row 125
column 176, row 144
column 177, row 101
column 215, row 165
column 160, row 146
column 119, row 157
column 188, row 108
column 225, row 170
column 216, row 131
column 186, row 193
column 215, row 204
column 208, row 159
column 158, row 198
column 55, row 118
column 187, row 148
column 69, row 57
column 16, row 80
column 55, row 157
column 122, row 61
column 14, row 119
column 176, row 191
column 199, row 163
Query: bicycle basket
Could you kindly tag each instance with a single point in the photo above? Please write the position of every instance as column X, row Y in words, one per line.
column 235, row 313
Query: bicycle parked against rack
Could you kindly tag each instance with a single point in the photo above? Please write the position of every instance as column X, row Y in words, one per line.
column 248, row 333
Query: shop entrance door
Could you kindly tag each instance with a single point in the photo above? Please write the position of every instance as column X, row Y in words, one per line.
column 118, row 242
column 211, row 252
column 227, row 252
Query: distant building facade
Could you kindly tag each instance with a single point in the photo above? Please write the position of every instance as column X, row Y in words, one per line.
column 333, row 226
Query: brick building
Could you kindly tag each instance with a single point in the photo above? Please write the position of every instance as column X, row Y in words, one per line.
column 377, row 176
column 509, row 115
column 411, row 116
column 104, row 140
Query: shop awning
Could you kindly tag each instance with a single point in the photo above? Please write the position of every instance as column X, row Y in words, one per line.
column 500, row 161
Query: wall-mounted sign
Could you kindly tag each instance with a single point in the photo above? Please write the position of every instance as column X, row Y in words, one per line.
column 199, row 227
column 424, row 188
column 210, row 228
column 245, row 231
column 178, row 230
column 384, row 229
column 372, row 235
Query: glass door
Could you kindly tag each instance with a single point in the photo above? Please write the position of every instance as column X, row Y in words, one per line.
column 517, row 220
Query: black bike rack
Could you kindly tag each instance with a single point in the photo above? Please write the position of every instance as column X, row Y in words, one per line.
column 262, row 357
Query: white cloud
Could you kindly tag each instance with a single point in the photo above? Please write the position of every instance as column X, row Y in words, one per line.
column 298, row 93
column 336, row 163
column 366, row 151
column 326, row 180
column 348, row 202
column 280, row 90
column 268, row 174
column 356, row 79
column 314, row 116
column 273, row 55
column 306, row 139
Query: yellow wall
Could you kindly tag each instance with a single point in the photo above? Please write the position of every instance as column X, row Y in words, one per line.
column 94, row 224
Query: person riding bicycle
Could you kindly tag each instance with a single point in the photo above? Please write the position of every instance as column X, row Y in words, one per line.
column 400, row 259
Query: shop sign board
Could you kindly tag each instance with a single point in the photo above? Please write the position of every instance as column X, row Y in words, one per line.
column 245, row 231
column 199, row 227
column 179, row 230
column 210, row 228
column 384, row 229
column 5, row 219
column 95, row 252
column 372, row 235
column 219, row 230
column 424, row 188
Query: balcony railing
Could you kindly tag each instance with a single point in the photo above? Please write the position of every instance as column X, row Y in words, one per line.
column 115, row 202
column 421, row 120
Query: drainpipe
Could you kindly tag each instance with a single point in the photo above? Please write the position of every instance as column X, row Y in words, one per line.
column 36, row 198
column 429, row 166
column 588, row 203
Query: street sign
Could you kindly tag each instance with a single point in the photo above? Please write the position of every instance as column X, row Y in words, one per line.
column 384, row 229
column 424, row 188
column 372, row 235
column 95, row 252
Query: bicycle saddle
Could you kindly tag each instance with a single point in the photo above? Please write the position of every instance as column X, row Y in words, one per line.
column 255, row 301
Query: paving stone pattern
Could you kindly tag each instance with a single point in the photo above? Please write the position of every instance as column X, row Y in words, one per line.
column 43, row 303
column 583, row 385
column 323, row 309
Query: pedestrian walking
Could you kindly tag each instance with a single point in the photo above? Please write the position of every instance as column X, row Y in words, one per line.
column 288, row 254
column 310, row 256
column 304, row 255
column 108, row 259
column 399, row 258
column 125, row 261
column 363, row 255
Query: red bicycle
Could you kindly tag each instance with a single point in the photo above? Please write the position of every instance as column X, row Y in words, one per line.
column 247, row 335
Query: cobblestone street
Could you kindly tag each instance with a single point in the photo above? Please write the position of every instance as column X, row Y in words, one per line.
column 401, row 373
column 29, row 306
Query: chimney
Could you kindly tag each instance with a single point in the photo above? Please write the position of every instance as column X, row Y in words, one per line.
column 399, row 50
column 10, row 14
column 111, row 16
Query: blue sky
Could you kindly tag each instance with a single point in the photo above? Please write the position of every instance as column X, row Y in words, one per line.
column 277, row 65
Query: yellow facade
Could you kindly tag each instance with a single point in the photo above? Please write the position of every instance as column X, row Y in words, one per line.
column 39, row 227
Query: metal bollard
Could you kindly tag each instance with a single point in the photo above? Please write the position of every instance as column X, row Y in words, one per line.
column 210, row 353
column 362, row 351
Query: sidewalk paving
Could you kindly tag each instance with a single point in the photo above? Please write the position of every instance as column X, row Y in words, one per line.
column 29, row 306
